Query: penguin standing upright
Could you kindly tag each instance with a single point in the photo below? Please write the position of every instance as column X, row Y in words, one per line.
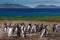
column 44, row 31
column 18, row 30
column 41, row 27
column 54, row 28
column 10, row 31
column 23, row 33
column 5, row 27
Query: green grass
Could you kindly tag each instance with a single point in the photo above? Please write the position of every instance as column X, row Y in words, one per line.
column 44, row 18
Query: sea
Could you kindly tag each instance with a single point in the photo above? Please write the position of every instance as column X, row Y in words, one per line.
column 13, row 12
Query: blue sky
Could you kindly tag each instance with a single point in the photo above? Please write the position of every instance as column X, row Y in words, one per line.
column 31, row 3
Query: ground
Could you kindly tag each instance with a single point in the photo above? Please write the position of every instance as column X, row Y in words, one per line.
column 32, row 36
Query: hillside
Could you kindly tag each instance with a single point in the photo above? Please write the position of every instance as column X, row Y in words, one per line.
column 12, row 6
column 47, row 6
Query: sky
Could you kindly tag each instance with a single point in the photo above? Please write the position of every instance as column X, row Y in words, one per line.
column 31, row 3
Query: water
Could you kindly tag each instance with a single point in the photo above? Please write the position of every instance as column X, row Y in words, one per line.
column 12, row 12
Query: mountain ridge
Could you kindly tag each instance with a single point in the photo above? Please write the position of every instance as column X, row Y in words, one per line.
column 13, row 6
column 47, row 6
column 23, row 6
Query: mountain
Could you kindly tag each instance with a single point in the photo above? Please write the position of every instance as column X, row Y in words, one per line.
column 13, row 6
column 23, row 6
column 47, row 6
